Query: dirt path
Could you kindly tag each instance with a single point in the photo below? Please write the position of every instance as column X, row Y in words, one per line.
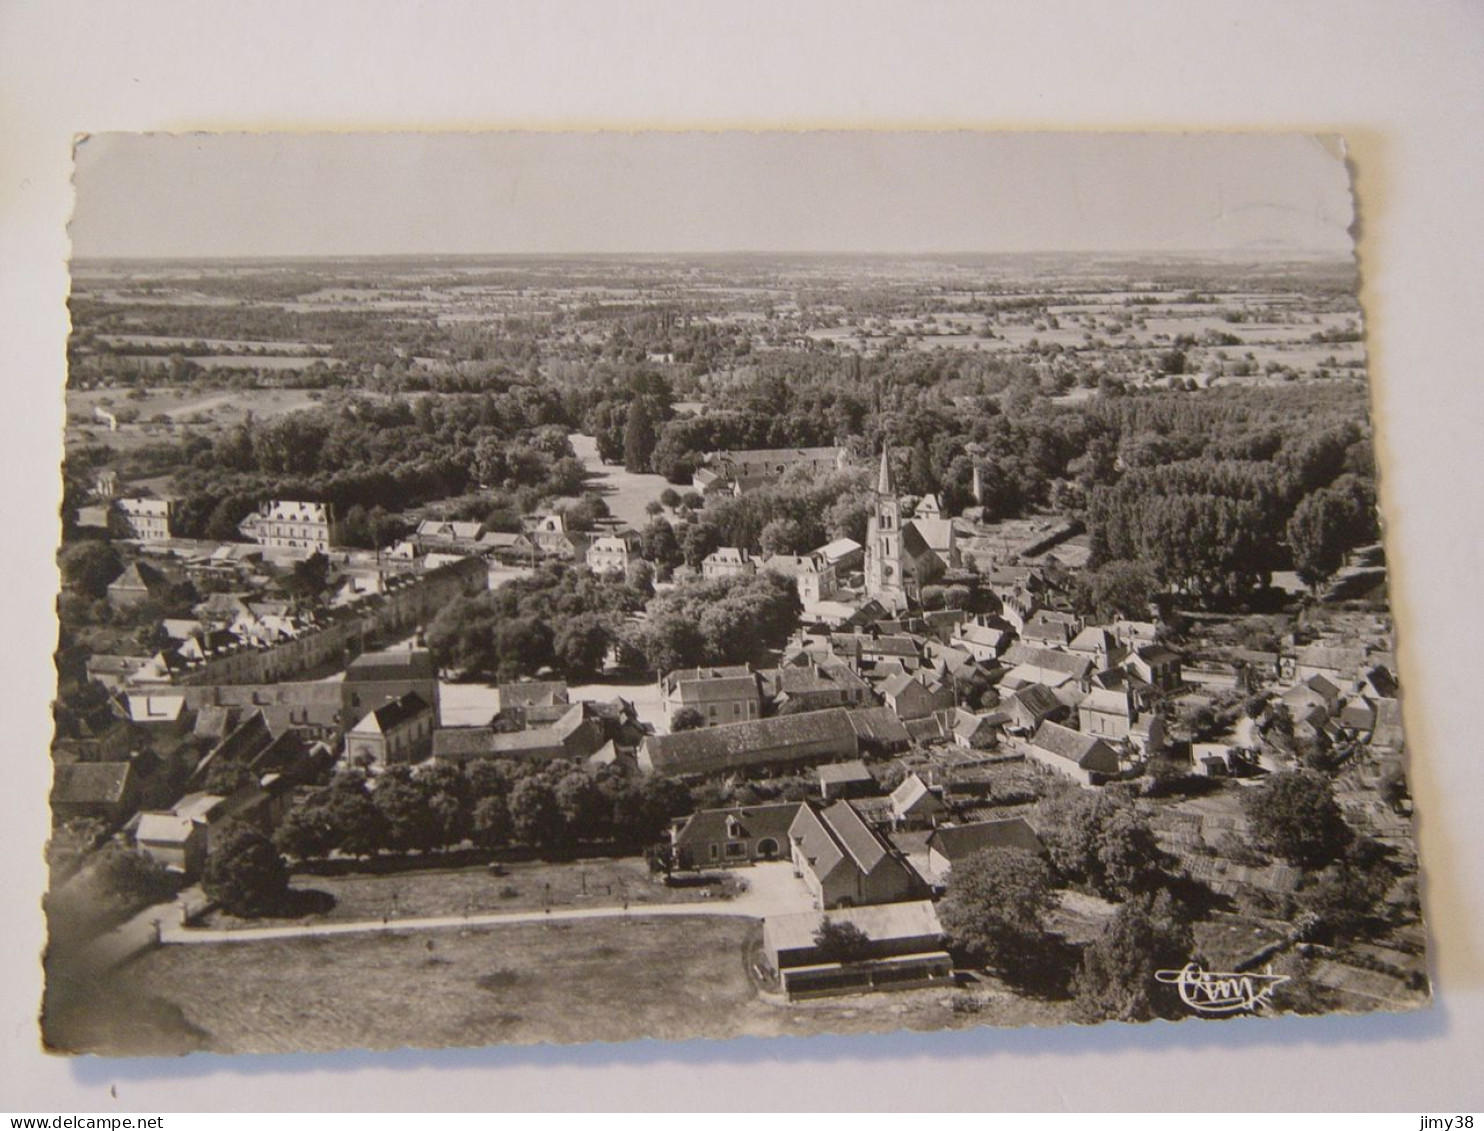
column 772, row 890
column 626, row 493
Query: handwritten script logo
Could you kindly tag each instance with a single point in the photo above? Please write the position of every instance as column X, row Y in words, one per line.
column 1207, row 992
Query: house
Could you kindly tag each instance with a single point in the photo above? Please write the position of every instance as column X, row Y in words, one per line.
column 845, row 779
column 985, row 642
column 113, row 672
column 549, row 534
column 1098, row 644
column 842, row 556
column 146, row 520
column 578, row 734
column 612, row 553
column 532, row 703
column 291, row 524
column 977, row 732
column 1050, row 629
column 1106, row 713
column 108, row 791
column 903, row 950
column 394, row 734
column 814, row 686
column 1030, row 664
column 721, row 695
column 949, row 844
column 727, row 561
column 811, row 576
column 1156, row 665
column 908, row 698
column 776, row 743
column 444, row 533
column 916, row 805
column 1031, row 706
column 866, row 650
column 846, row 863
column 139, row 582
column 1083, row 757
column 879, row 731
column 736, row 472
column 176, row 841
column 507, row 548
column 157, row 714
column 375, row 678
column 727, row 837
column 1340, row 665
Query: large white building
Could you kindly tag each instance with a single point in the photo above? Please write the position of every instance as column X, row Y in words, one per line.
column 291, row 525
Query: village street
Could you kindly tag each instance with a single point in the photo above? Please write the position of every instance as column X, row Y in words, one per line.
column 772, row 889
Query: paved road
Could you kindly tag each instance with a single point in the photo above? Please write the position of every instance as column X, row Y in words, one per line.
column 773, row 889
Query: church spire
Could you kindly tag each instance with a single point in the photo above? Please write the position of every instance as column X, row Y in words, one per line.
column 883, row 484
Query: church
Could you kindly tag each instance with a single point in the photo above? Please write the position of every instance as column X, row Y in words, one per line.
column 897, row 551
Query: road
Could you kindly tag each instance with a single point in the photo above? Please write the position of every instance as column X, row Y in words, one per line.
column 772, row 889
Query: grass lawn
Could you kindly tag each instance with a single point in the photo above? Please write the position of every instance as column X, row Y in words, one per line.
column 526, row 886
column 614, row 979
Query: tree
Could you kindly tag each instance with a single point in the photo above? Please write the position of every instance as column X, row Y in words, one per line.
column 996, row 907
column 1119, row 588
column 308, row 829
column 639, row 436
column 132, row 877
column 686, row 718
column 89, row 567
column 1319, row 535
column 1129, row 856
column 535, row 817
column 409, row 821
column 1117, row 978
column 491, row 823
column 360, row 829
column 840, row 941
column 309, row 578
column 581, row 644
column 244, row 873
column 1294, row 815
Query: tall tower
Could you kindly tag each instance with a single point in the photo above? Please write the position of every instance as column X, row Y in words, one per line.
column 884, row 579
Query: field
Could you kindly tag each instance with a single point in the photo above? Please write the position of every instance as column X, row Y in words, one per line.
column 609, row 980
column 526, row 886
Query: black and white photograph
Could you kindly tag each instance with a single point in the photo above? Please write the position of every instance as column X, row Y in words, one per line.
column 527, row 587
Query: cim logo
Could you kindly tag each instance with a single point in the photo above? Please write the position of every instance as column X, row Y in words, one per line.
column 1209, row 992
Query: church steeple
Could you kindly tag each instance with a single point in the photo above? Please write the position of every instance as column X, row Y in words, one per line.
column 883, row 483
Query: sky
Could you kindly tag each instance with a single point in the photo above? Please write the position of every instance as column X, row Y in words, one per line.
column 214, row 195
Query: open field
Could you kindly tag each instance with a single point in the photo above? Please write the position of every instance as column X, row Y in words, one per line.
column 625, row 492
column 526, row 886
column 223, row 406
column 609, row 980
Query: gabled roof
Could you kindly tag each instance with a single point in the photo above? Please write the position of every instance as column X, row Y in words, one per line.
column 957, row 841
column 164, row 828
column 138, row 576
column 90, row 783
column 736, row 745
column 1082, row 750
column 533, row 693
column 913, row 794
column 401, row 664
column 1037, row 699
column 389, row 716
column 751, row 822
column 844, row 773
column 879, row 725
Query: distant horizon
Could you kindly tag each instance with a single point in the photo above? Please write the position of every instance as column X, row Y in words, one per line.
column 922, row 194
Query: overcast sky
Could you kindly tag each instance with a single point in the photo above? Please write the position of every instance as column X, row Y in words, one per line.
column 377, row 194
